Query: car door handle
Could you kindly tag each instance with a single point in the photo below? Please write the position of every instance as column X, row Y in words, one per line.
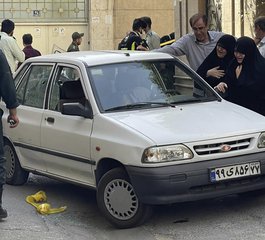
column 50, row 119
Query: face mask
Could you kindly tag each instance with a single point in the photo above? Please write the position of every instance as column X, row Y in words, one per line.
column 143, row 35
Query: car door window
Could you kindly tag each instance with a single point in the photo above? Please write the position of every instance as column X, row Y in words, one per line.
column 21, row 73
column 72, row 77
column 31, row 91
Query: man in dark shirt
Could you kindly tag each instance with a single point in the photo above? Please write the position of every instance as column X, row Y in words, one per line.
column 28, row 49
column 133, row 40
column 8, row 95
column 77, row 39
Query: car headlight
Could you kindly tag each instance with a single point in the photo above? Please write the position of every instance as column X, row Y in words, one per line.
column 166, row 154
column 261, row 140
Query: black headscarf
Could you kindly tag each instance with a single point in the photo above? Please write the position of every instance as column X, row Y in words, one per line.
column 212, row 60
column 246, row 46
column 248, row 89
column 228, row 43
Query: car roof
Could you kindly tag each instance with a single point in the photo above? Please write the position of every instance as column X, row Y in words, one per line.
column 92, row 58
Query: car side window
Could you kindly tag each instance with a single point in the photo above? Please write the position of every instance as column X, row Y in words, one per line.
column 64, row 74
column 32, row 88
column 21, row 73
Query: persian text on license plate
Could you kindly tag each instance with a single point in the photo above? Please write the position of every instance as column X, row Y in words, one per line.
column 235, row 171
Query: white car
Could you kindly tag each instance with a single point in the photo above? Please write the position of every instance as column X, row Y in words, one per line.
column 140, row 128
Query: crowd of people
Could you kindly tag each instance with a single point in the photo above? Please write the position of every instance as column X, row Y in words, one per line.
column 234, row 67
column 8, row 45
column 142, row 37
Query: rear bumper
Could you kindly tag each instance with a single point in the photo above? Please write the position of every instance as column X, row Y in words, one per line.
column 189, row 182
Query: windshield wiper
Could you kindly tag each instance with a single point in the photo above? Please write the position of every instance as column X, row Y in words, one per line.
column 140, row 105
column 207, row 99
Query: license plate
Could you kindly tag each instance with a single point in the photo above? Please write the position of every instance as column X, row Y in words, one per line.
column 234, row 171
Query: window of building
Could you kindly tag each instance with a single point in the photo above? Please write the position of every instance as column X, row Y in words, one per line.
column 44, row 10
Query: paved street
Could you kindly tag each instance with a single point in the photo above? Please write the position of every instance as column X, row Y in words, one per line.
column 229, row 218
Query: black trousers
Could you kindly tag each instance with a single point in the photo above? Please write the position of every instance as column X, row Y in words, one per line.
column 2, row 157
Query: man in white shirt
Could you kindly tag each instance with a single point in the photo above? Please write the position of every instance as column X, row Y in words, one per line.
column 9, row 46
column 259, row 29
column 152, row 38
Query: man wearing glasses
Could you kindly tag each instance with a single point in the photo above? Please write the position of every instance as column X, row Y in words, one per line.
column 196, row 45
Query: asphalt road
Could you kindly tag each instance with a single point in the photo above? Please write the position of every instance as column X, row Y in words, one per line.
column 233, row 217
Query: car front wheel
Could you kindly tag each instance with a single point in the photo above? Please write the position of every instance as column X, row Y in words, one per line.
column 118, row 202
column 15, row 175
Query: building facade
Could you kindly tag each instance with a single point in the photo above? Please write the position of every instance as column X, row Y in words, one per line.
column 234, row 17
column 103, row 22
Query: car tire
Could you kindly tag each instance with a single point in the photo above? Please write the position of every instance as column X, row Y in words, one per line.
column 118, row 202
column 15, row 174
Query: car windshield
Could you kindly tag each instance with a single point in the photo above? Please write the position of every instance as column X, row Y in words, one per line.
column 147, row 84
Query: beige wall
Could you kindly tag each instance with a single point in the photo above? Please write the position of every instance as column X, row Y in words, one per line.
column 101, row 24
column 48, row 37
column 161, row 13
column 183, row 11
column 111, row 19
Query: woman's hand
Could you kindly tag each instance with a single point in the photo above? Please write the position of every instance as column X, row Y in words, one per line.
column 221, row 87
column 214, row 72
column 141, row 48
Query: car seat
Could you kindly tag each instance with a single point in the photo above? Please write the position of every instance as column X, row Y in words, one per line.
column 71, row 91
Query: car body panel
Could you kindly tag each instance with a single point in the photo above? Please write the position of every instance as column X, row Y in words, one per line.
column 27, row 138
column 189, row 182
column 62, row 158
column 171, row 124
column 93, row 58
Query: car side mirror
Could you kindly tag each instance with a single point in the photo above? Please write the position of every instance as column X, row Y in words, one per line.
column 77, row 109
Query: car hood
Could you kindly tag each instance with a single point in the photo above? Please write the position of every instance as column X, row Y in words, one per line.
column 192, row 122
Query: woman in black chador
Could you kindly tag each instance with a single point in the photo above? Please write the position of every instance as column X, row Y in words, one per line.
column 213, row 68
column 245, row 77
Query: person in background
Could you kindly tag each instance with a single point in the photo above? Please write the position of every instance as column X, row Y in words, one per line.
column 213, row 68
column 196, row 45
column 9, row 46
column 8, row 95
column 136, row 38
column 133, row 40
column 77, row 40
column 259, row 29
column 28, row 49
column 244, row 81
column 152, row 38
